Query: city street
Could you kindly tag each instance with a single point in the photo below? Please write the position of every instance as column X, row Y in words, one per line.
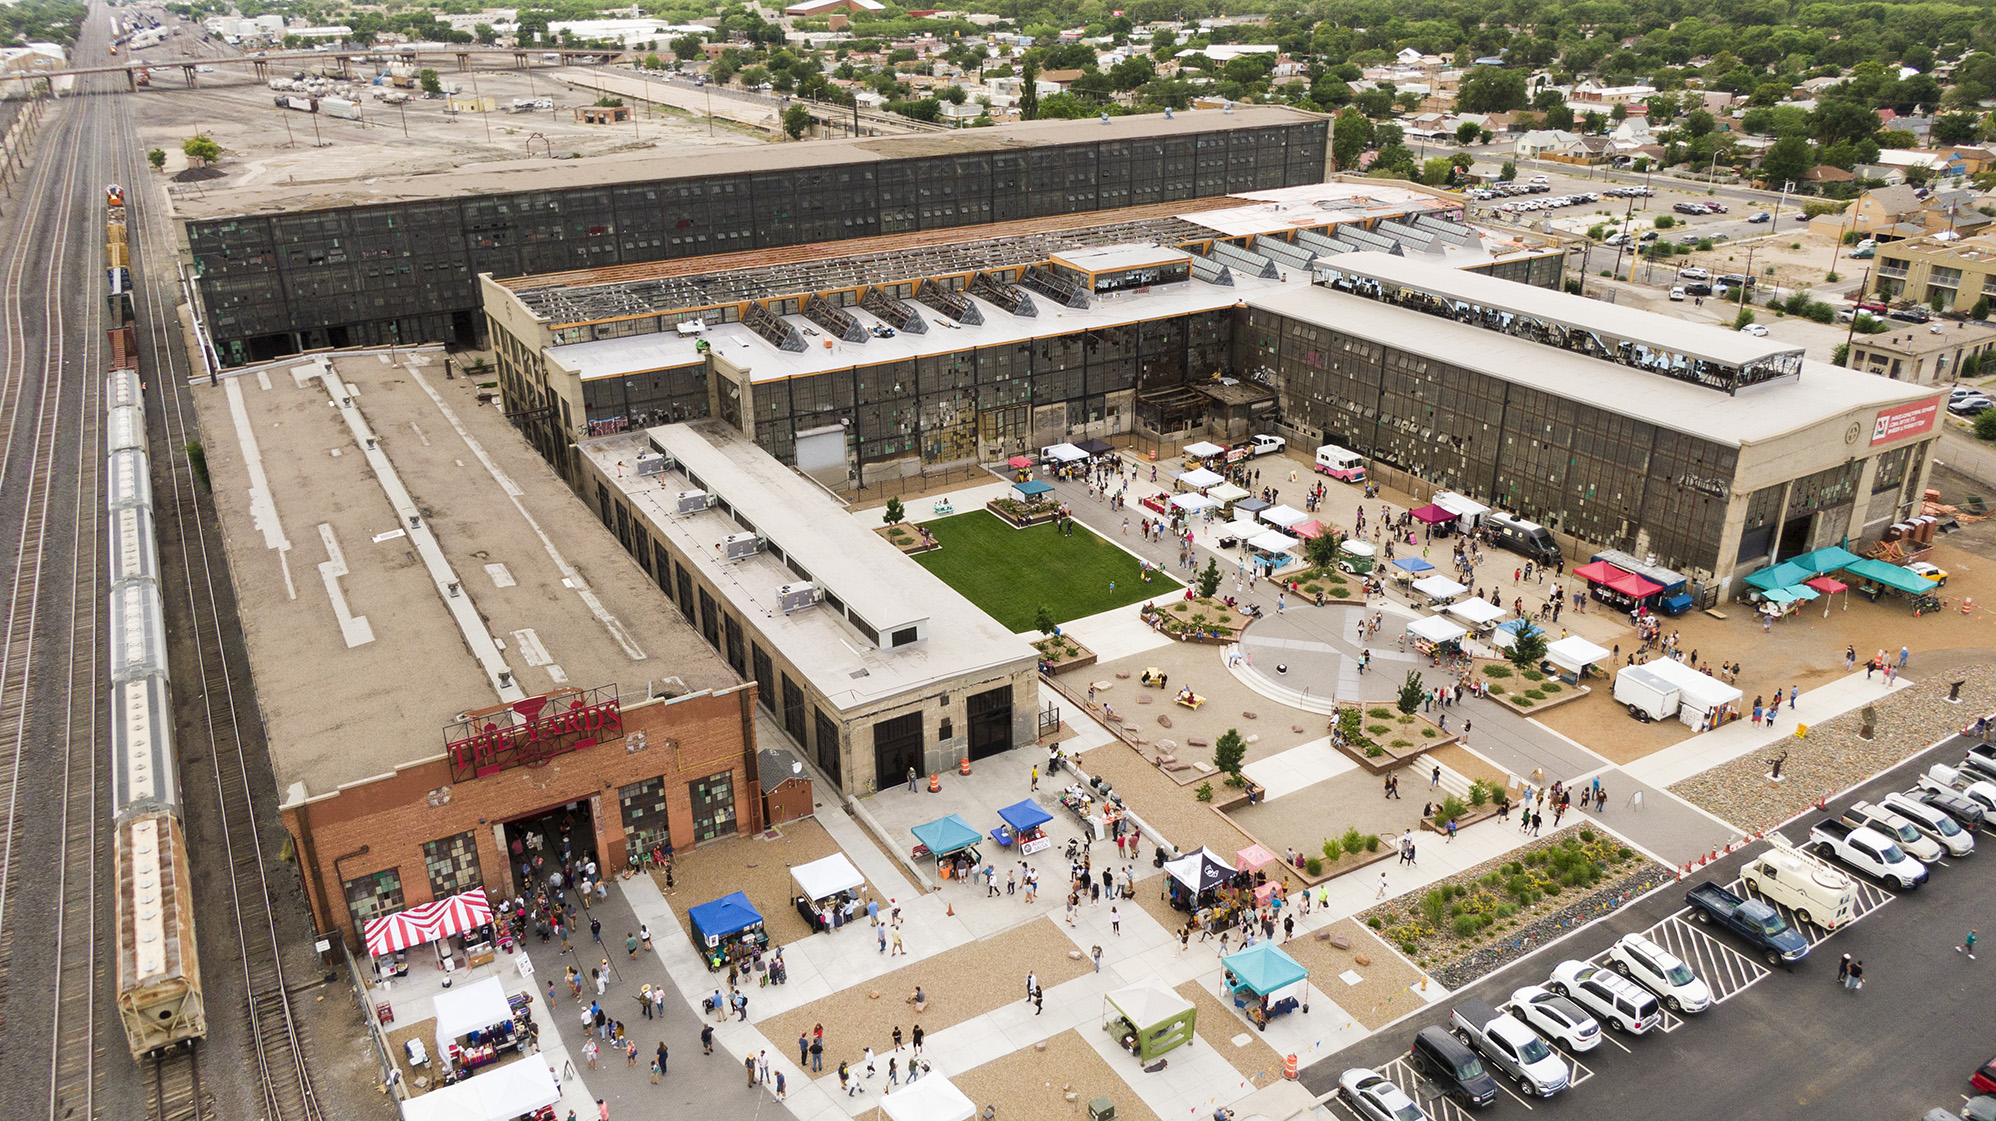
column 1904, row 1044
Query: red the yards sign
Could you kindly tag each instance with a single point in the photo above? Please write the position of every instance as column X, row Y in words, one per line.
column 529, row 733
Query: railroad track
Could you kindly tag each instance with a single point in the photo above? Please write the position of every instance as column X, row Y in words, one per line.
column 226, row 729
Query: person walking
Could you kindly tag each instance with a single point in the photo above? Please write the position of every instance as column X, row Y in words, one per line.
column 911, row 780
column 1115, row 922
column 898, row 947
column 1967, row 946
column 707, row 1039
column 845, row 1080
column 915, row 1038
column 1435, row 778
column 661, row 1057
column 1382, row 886
column 1095, row 955
column 1843, row 969
column 880, row 936
column 1035, row 783
column 631, row 946
column 1857, row 975
column 1451, row 832
column 867, row 1058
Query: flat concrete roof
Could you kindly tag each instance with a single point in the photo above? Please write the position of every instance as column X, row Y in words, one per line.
column 1921, row 338
column 360, row 660
column 1712, row 344
column 695, row 162
column 820, row 536
column 1755, row 414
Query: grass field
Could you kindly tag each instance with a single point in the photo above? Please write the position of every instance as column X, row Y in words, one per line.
column 1011, row 572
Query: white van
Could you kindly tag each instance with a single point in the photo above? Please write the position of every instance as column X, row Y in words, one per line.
column 1819, row 894
column 1338, row 463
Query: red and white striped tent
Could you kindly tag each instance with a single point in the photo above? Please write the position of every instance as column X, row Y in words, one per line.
column 427, row 922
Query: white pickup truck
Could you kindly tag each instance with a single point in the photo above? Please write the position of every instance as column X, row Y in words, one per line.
column 1946, row 780
column 1868, row 851
column 1510, row 1046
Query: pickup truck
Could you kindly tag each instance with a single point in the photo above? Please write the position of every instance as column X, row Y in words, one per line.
column 1511, row 1047
column 1264, row 445
column 1752, row 920
column 1980, row 761
column 1943, row 779
column 1918, row 845
column 1867, row 851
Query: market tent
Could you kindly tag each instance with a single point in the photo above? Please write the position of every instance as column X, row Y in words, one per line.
column 1025, row 815
column 386, row 934
column 1243, row 529
column 1825, row 560
column 1575, row 653
column 1253, row 858
column 1475, row 612
column 1284, row 515
column 474, row 1007
column 1162, row 1019
column 1199, row 478
column 1803, row 592
column 1203, row 449
column 1264, row 968
column 1890, row 575
column 1630, row 584
column 1309, row 531
column 1778, row 576
column 1227, row 492
column 1065, row 453
column 1248, row 507
column 1440, row 587
column 1032, row 487
column 1273, row 542
column 1019, row 461
column 1432, row 514
column 1778, row 595
column 730, row 914
column 1828, row 584
column 822, row 879
column 1096, row 447
column 1508, row 632
column 427, row 922
column 516, row 1089
column 934, row 1098
column 457, row 1102
column 1193, row 503
column 1434, row 628
column 1599, row 572
column 1412, row 564
column 1199, row 871
column 946, row 835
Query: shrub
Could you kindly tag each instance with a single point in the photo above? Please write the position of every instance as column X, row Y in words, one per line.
column 1451, row 808
column 1551, row 687
column 1479, row 794
column 1534, row 675
column 1238, row 782
column 1315, row 867
column 1377, row 729
column 1372, row 842
column 1409, row 948
column 1535, row 694
column 1496, row 690
column 1374, row 751
column 1497, row 671
column 1467, row 924
column 1624, row 853
column 1380, row 712
column 1587, row 836
column 1375, row 922
column 1204, row 793
column 1353, row 841
column 1429, row 733
column 1522, row 702
column 1434, row 907
column 1402, row 744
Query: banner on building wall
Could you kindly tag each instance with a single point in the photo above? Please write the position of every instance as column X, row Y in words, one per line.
column 528, row 733
column 1901, row 421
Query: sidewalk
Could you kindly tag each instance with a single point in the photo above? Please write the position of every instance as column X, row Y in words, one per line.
column 1706, row 750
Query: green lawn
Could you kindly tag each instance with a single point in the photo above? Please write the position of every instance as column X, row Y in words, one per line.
column 1011, row 572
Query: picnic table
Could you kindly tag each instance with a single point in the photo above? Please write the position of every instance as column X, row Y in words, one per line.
column 1153, row 676
column 944, row 506
column 1191, row 700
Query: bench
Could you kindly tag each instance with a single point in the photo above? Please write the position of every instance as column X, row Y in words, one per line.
column 1192, row 702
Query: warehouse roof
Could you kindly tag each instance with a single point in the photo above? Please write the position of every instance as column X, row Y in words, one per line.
column 693, row 162
column 810, row 538
column 1756, row 414
column 362, row 658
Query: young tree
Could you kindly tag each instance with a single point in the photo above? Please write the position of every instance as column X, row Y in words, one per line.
column 1411, row 692
column 157, row 158
column 796, row 120
column 895, row 511
column 1229, row 751
column 1350, row 133
column 1209, row 580
column 1985, row 425
column 1029, row 91
column 1466, row 132
column 1043, row 620
column 201, row 150
column 1529, row 649
column 432, row 84
column 1508, row 173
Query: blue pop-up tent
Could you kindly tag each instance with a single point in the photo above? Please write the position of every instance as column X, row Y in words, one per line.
column 1412, row 564
column 730, row 914
column 1265, row 981
column 1022, row 816
column 946, row 835
column 1032, row 488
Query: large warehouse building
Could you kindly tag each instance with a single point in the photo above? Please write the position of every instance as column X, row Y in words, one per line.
column 1716, row 451
column 396, row 260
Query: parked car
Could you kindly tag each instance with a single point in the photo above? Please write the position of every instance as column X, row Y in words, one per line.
column 1677, row 293
column 1659, row 971
column 1944, row 780
column 1971, row 405
column 1754, row 329
column 1556, row 1018
column 1933, row 821
column 1966, row 812
column 1760, row 216
column 1910, row 314
column 1984, row 1078
column 1917, row 845
column 1374, row 1097
column 1932, row 572
column 1453, row 1066
column 1619, row 1002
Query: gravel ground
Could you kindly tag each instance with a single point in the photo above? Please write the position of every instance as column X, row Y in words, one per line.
column 1374, row 1002
column 961, row 984
column 1219, row 1025
column 758, row 867
column 1834, row 757
column 1034, row 1083
column 1477, row 963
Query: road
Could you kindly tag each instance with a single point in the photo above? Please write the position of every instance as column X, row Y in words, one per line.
column 1777, row 1043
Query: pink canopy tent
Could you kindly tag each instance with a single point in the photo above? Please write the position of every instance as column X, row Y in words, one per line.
column 1829, row 585
column 1630, row 584
column 1310, row 529
column 1018, row 461
column 1253, row 858
column 1599, row 572
column 1433, row 514
column 427, row 922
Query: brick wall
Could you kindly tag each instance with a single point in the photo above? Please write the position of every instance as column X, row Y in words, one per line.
column 685, row 739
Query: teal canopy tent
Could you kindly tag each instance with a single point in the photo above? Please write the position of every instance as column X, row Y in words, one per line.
column 946, row 835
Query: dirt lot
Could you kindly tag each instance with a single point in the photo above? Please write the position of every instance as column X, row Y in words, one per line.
column 1219, row 1026
column 1034, row 1084
column 758, row 867
column 1376, row 1001
column 961, row 984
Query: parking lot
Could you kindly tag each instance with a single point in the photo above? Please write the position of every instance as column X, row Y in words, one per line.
column 1775, row 1043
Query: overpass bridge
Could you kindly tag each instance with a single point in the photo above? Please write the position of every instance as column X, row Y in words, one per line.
column 260, row 64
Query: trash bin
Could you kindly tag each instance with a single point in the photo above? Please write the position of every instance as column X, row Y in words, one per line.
column 1101, row 1109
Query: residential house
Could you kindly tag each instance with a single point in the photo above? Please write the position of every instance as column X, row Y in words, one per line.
column 1974, row 160
column 1542, row 142
column 1960, row 271
column 1879, row 173
column 1936, row 162
column 1589, row 96
column 1929, row 355
column 1888, row 214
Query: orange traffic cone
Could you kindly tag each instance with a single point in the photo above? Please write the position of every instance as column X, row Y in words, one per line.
column 963, row 768
column 935, row 784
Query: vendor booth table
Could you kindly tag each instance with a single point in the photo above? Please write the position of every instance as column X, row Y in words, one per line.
column 1271, row 549
column 1235, row 532
column 1227, row 493
column 1264, row 982
column 1066, row 453
column 728, row 927
column 1439, row 590
column 1191, row 881
column 1407, row 569
column 523, row 1089
column 951, row 840
column 1574, row 654
column 1193, row 503
column 1148, row 1018
column 1200, row 479
column 1097, row 818
column 1435, row 635
column 1023, row 821
column 475, row 1026
column 934, row 1098
column 468, row 913
column 825, row 885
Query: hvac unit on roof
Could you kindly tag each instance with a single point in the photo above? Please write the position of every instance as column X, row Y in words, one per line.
column 738, row 545
column 651, row 463
column 694, row 501
column 797, row 596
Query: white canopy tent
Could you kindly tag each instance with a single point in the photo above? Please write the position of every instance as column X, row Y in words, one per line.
column 1434, row 628
column 1065, row 453
column 1273, row 542
column 1284, row 516
column 1438, row 587
column 822, row 879
column 934, row 1098
column 1204, row 449
column 1466, row 510
column 498, row 1093
column 1574, row 653
column 474, row 1007
column 1699, row 693
column 1199, row 478
column 1227, row 492
column 1475, row 612
column 1247, row 529
column 1193, row 503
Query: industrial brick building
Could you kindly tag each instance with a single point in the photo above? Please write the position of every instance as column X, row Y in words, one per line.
column 392, row 260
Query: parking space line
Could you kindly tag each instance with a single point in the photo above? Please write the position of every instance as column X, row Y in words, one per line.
column 1577, row 1072
column 1515, row 1096
column 1870, row 897
column 1426, row 1093
column 1724, row 970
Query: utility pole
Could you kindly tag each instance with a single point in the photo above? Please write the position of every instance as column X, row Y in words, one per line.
column 1854, row 312
column 1626, row 217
